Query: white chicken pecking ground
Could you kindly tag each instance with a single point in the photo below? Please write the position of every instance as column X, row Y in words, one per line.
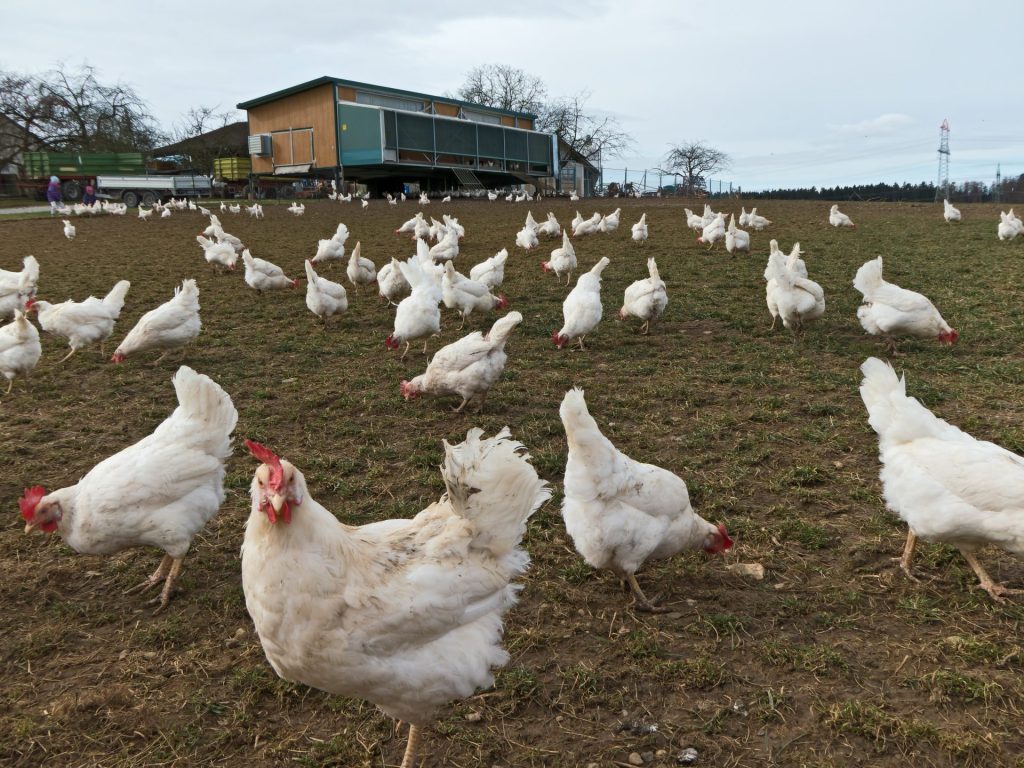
column 360, row 270
column 406, row 614
column 645, row 299
column 468, row 367
column 562, row 260
column 798, row 300
column 262, row 275
column 119, row 504
column 582, row 308
column 465, row 296
column 418, row 315
column 324, row 298
column 18, row 287
column 946, row 485
column 620, row 513
column 173, row 325
column 20, row 349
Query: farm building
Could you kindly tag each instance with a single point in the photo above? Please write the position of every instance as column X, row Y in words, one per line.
column 389, row 139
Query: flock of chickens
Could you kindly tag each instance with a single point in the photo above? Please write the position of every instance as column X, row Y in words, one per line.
column 373, row 611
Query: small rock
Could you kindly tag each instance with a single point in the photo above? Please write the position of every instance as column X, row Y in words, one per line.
column 647, row 757
column 687, row 757
column 635, row 759
column 149, row 654
column 474, row 717
column 289, row 381
column 238, row 638
column 752, row 570
column 661, row 753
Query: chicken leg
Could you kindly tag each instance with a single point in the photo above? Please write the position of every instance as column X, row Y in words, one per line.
column 10, row 383
column 69, row 354
column 995, row 589
column 640, row 599
column 908, row 553
column 412, row 747
column 167, row 572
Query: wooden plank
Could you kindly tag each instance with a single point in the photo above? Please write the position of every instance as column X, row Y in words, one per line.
column 448, row 110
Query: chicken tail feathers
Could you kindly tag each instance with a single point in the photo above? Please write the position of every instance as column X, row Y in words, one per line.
column 492, row 483
column 115, row 299
column 503, row 327
column 202, row 401
column 869, row 278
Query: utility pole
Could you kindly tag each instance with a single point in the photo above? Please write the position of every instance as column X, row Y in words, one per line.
column 942, row 187
column 997, row 193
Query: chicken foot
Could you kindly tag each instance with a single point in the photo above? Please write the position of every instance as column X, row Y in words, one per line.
column 167, row 572
column 412, row 747
column 640, row 601
column 69, row 354
column 908, row 553
column 994, row 588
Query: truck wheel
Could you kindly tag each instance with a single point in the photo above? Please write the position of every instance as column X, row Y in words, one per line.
column 71, row 190
column 148, row 198
column 131, row 199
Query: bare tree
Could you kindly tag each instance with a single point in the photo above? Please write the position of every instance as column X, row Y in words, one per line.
column 72, row 110
column 694, row 160
column 196, row 130
column 590, row 135
column 503, row 87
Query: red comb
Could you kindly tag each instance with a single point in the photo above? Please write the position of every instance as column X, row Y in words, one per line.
column 262, row 453
column 30, row 500
column 726, row 541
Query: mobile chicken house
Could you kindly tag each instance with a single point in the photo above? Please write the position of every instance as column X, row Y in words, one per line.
column 388, row 138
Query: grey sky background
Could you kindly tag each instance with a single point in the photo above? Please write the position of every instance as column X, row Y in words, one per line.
column 798, row 93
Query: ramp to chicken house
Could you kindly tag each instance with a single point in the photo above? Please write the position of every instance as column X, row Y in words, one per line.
column 467, row 178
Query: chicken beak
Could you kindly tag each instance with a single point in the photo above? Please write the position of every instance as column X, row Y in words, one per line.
column 277, row 501
column 30, row 526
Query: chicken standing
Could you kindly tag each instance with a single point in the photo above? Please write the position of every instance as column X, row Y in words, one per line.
column 82, row 322
column 174, row 324
column 69, row 229
column 491, row 272
column 391, row 283
column 562, row 260
column 620, row 512
column 418, row 315
column 406, row 614
column 159, row 492
column 946, row 485
column 889, row 310
column 262, row 275
column 713, row 231
column 610, row 222
column 550, row 227
column 736, row 239
column 587, row 226
column 468, row 367
column 949, row 213
column 20, row 349
column 465, row 295
column 798, row 300
column 360, row 270
column 218, row 254
column 582, row 308
column 323, row 297
column 639, row 230
column 646, row 298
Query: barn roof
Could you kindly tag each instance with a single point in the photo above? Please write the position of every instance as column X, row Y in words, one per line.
column 310, row 84
column 231, row 138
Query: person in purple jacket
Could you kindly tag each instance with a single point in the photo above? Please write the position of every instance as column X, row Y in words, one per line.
column 53, row 194
column 89, row 193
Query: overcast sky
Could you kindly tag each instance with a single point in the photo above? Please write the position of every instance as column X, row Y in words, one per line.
column 796, row 92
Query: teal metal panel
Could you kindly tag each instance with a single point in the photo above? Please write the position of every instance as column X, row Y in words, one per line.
column 359, row 135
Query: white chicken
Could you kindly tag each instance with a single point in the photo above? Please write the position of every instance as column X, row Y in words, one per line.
column 418, row 315
column 798, row 300
column 235, row 208
column 550, row 227
column 610, row 222
column 946, row 485
column 159, row 492
column 360, row 270
column 1009, row 226
column 527, row 238
column 424, row 200
column 263, row 275
column 466, row 296
column 639, row 230
column 949, row 213
column 695, row 222
column 491, row 272
column 447, row 248
column 18, row 287
column 582, row 308
column 744, row 219
column 323, row 297
column 20, row 349
column 144, row 214
column 530, row 222
column 576, row 221
column 838, row 219
column 82, row 322
column 172, row 325
column 736, row 239
column 217, row 254
column 406, row 614
column 69, row 229
column 889, row 310
column 297, row 209
column 410, row 226
column 713, row 231
column 645, row 299
column 391, row 283
column 574, row 197
column 255, row 211
column 332, row 248
column 468, row 367
column 452, row 223
column 587, row 226
column 756, row 221
column 562, row 260
column 621, row 513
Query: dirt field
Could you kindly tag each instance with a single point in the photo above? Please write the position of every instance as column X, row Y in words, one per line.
column 834, row 659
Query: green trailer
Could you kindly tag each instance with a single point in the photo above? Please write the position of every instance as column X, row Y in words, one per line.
column 75, row 168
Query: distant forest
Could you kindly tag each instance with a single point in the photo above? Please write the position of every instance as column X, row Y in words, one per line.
column 1011, row 190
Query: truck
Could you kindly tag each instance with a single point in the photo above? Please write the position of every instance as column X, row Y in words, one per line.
column 132, row 190
column 75, row 170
